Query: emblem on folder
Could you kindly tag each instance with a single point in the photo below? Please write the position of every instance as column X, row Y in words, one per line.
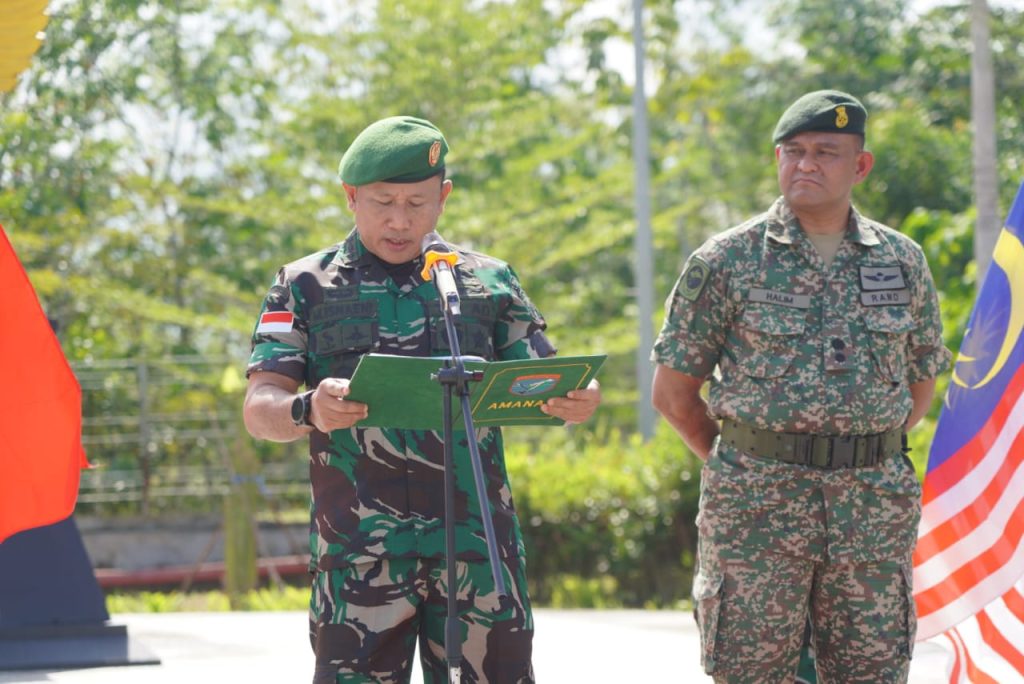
column 528, row 385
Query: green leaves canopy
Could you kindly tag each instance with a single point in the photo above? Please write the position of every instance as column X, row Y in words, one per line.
column 161, row 160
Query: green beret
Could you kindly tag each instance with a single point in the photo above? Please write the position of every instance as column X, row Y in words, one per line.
column 399, row 149
column 823, row 110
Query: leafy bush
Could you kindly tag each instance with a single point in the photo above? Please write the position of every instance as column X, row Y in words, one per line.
column 608, row 520
column 268, row 599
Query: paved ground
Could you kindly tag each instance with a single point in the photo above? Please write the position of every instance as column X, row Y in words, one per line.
column 571, row 647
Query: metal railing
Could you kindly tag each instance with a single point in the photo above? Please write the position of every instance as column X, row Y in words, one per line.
column 161, row 430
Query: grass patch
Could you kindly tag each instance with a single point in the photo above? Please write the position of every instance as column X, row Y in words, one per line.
column 270, row 599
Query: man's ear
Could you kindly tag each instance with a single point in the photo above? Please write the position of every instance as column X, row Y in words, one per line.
column 446, row 189
column 865, row 162
column 350, row 194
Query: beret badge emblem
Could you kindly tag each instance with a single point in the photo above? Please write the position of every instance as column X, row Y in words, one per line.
column 842, row 119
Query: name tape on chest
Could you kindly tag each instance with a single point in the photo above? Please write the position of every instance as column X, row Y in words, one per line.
column 342, row 293
column 340, row 309
column 873, row 278
column 886, row 298
column 795, row 301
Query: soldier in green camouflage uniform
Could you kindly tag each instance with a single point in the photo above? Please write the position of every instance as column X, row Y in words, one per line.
column 819, row 333
column 377, row 529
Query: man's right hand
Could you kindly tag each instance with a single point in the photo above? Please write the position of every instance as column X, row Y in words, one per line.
column 329, row 408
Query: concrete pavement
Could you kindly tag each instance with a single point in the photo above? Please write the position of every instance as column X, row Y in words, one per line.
column 570, row 647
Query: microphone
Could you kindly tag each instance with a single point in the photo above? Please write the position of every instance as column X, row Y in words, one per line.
column 438, row 260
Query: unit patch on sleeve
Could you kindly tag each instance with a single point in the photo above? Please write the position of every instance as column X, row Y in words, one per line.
column 694, row 278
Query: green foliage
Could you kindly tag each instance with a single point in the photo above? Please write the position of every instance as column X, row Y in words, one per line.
column 948, row 243
column 936, row 177
column 849, row 46
column 573, row 591
column 161, row 160
column 608, row 520
column 269, row 599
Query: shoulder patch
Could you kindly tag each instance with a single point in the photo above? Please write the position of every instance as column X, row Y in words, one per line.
column 694, row 278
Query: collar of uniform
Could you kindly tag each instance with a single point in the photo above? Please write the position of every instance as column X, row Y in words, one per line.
column 352, row 252
column 781, row 225
column 861, row 231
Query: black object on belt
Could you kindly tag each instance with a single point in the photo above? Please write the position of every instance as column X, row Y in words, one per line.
column 830, row 452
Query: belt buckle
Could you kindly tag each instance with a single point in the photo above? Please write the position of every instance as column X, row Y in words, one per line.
column 820, row 452
column 803, row 449
column 844, row 451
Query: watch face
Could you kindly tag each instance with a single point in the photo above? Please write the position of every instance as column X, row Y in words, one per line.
column 299, row 410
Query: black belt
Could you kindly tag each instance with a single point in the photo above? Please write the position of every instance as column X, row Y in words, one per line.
column 830, row 452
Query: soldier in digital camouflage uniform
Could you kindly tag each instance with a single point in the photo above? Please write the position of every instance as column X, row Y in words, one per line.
column 819, row 332
column 377, row 529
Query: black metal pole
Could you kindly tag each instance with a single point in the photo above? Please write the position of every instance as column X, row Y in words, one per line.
column 486, row 515
column 452, row 639
column 455, row 379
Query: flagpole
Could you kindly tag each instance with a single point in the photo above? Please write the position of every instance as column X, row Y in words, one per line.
column 643, row 264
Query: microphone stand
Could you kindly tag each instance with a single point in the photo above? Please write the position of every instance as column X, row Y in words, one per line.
column 455, row 379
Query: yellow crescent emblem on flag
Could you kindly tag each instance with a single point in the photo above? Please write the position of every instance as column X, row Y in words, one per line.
column 1009, row 257
column 435, row 153
column 21, row 22
column 842, row 119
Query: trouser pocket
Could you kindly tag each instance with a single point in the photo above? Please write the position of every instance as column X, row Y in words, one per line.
column 909, row 608
column 707, row 601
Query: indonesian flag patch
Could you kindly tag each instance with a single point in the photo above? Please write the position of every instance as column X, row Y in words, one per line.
column 275, row 322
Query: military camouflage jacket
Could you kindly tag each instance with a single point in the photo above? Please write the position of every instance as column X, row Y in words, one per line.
column 798, row 346
column 380, row 492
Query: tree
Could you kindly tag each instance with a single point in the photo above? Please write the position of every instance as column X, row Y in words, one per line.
column 133, row 114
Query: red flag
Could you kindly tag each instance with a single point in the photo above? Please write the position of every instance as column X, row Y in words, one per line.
column 41, row 450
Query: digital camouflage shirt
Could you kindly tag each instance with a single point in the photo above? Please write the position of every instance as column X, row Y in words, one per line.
column 800, row 347
column 380, row 492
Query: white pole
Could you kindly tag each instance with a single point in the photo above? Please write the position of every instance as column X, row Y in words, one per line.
column 983, row 120
column 643, row 271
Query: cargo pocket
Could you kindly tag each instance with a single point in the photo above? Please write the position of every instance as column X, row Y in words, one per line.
column 475, row 329
column 887, row 329
column 906, row 649
column 707, row 601
column 768, row 338
column 335, row 348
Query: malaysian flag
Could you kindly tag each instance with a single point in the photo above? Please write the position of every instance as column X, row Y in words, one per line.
column 969, row 560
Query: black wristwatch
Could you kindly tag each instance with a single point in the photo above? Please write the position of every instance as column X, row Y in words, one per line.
column 302, row 406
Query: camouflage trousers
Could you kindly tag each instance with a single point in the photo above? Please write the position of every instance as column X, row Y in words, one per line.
column 780, row 543
column 365, row 620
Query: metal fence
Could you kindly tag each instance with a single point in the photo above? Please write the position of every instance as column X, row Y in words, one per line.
column 167, row 433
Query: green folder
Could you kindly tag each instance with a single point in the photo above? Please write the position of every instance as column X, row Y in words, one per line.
column 401, row 392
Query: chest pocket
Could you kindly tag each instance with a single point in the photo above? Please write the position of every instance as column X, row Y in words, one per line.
column 475, row 329
column 767, row 337
column 336, row 343
column 886, row 329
